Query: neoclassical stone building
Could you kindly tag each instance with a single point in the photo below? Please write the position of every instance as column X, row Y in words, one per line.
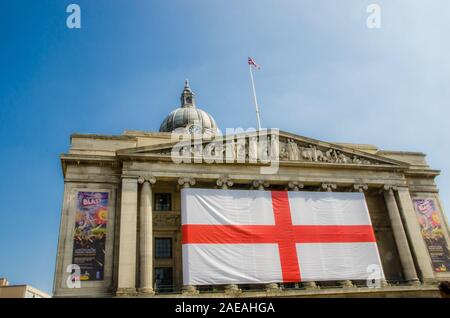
column 120, row 222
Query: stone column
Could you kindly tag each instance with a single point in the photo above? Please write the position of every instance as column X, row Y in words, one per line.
column 127, row 241
column 418, row 246
column 296, row 186
column 361, row 187
column 401, row 240
column 329, row 187
column 186, row 183
column 261, row 185
column 225, row 182
column 146, row 237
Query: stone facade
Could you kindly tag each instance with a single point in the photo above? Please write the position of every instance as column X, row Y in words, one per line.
column 142, row 237
column 135, row 166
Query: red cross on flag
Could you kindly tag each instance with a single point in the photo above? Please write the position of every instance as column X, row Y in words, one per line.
column 253, row 237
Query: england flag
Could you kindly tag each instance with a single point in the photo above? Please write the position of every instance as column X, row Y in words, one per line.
column 253, row 237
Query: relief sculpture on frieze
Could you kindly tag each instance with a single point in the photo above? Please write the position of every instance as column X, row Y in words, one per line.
column 162, row 219
column 253, row 149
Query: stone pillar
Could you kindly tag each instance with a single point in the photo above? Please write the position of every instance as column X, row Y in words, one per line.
column 146, row 237
column 186, row 183
column 401, row 240
column 296, row 186
column 329, row 187
column 361, row 187
column 127, row 241
column 418, row 246
column 225, row 182
column 261, row 185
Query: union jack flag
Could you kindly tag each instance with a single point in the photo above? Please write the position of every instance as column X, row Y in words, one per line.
column 253, row 63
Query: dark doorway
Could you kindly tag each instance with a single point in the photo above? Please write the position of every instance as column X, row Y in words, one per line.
column 164, row 279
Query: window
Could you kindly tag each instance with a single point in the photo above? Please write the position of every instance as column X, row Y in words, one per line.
column 163, row 279
column 163, row 247
column 163, row 202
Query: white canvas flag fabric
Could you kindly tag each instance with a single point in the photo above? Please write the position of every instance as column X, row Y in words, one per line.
column 253, row 237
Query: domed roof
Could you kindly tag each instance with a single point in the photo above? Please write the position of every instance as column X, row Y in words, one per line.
column 189, row 117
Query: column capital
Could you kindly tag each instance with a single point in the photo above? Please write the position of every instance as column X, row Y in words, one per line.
column 390, row 187
column 150, row 179
column 295, row 185
column 224, row 182
column 186, row 182
column 329, row 186
column 260, row 184
column 361, row 187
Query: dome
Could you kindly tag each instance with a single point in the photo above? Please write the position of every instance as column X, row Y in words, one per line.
column 189, row 117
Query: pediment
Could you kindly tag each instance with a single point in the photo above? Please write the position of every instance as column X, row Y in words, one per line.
column 240, row 147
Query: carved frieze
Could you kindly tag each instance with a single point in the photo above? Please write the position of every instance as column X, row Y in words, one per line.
column 254, row 149
column 163, row 219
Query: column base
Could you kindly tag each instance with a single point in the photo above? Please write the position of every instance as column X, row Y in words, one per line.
column 310, row 285
column 146, row 291
column 190, row 290
column 232, row 289
column 377, row 283
column 414, row 282
column 347, row 284
column 430, row 281
column 126, row 292
column 272, row 287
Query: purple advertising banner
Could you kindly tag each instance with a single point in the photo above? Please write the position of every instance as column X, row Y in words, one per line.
column 90, row 234
column 433, row 233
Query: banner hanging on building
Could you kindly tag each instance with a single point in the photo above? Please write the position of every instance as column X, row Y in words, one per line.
column 433, row 233
column 250, row 236
column 90, row 234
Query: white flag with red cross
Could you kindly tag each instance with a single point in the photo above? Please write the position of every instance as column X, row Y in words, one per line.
column 253, row 237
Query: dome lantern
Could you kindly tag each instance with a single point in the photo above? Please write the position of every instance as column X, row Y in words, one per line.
column 188, row 118
column 187, row 96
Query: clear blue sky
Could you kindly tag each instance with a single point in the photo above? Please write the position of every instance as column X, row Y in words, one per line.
column 324, row 75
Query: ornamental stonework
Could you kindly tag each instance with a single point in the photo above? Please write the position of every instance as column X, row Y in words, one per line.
column 248, row 150
column 162, row 219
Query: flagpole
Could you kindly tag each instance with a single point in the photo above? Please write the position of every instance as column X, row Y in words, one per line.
column 254, row 97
